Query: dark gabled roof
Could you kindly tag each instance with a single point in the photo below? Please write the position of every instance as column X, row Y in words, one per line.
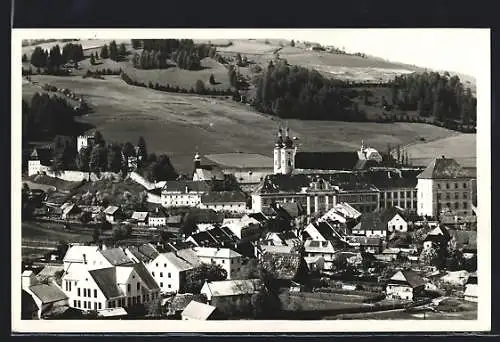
column 223, row 197
column 373, row 221
column 444, row 168
column 284, row 183
column 229, row 233
column 148, row 250
column 389, row 213
column 205, row 239
column 390, row 180
column 325, row 230
column 180, row 301
column 293, row 209
column 259, row 217
column 326, row 160
column 105, row 279
column 116, row 256
column 146, row 277
column 48, row 293
column 42, row 154
column 181, row 185
column 410, row 277
column 221, row 236
column 283, row 266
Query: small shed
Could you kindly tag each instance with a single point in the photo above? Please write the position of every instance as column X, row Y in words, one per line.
column 112, row 213
column 198, row 311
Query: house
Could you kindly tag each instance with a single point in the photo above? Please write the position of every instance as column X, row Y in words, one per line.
column 342, row 212
column 323, row 249
column 157, row 218
column 284, row 267
column 395, row 219
column 230, row 201
column 444, row 185
column 398, row 187
column 230, row 289
column 367, row 244
column 245, row 227
column 389, row 255
column 144, row 253
column 466, row 241
column 225, row 257
column 206, row 171
column 112, row 213
column 45, row 296
column 140, row 218
column 284, row 238
column 39, row 161
column 198, row 311
column 78, row 258
column 169, row 270
column 371, row 225
column 279, row 249
column 70, row 211
column 176, row 304
column 437, row 238
column 471, row 293
column 184, row 193
column 110, row 287
column 326, row 230
column 215, row 237
column 405, row 284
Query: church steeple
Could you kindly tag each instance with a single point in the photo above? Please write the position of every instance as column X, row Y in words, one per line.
column 279, row 141
column 197, row 161
column 288, row 140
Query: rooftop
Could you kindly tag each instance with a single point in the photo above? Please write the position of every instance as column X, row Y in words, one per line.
column 48, row 293
column 223, row 197
column 444, row 168
column 198, row 311
column 211, row 252
column 189, row 185
column 226, row 288
column 116, row 256
column 326, row 160
column 241, row 160
column 409, row 277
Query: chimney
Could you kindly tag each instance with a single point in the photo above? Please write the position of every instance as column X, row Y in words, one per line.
column 28, row 279
column 443, row 156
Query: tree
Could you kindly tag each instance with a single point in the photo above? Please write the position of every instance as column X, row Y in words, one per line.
column 212, row 79
column 98, row 159
column 122, row 51
column 104, row 52
column 55, row 58
column 136, row 43
column 428, row 256
column 142, row 152
column 113, row 51
column 200, row 87
column 238, row 59
column 92, row 59
column 24, row 58
column 206, row 272
column 266, row 303
column 292, row 43
column 99, row 140
column 83, row 159
column 114, row 158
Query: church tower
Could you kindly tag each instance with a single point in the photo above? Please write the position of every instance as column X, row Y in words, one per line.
column 197, row 161
column 287, row 155
column 277, row 152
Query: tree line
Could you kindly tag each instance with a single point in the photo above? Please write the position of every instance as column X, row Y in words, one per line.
column 156, row 53
column 53, row 59
column 296, row 92
column 113, row 51
column 46, row 116
column 198, row 88
column 433, row 94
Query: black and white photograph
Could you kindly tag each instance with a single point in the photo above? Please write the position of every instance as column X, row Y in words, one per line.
column 287, row 180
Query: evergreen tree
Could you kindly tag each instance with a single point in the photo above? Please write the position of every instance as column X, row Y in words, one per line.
column 122, row 51
column 113, row 51
column 136, row 43
column 212, row 79
column 92, row 59
column 104, row 52
column 142, row 153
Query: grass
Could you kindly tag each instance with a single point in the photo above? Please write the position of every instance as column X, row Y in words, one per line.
column 50, row 232
column 179, row 125
column 461, row 147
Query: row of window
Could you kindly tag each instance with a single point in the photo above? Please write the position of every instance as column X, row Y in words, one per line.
column 121, row 302
column 400, row 194
column 456, row 195
column 168, row 285
column 86, row 292
column 169, row 275
column 404, row 205
column 87, row 305
column 448, row 185
column 456, row 205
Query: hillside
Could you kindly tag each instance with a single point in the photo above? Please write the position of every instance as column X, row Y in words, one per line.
column 180, row 125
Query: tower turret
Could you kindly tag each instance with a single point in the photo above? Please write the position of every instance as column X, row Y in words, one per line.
column 197, row 161
column 277, row 152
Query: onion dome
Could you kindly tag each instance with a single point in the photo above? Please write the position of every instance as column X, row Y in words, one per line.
column 279, row 141
column 288, row 141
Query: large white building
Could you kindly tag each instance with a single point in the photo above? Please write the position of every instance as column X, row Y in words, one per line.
column 445, row 186
column 225, row 257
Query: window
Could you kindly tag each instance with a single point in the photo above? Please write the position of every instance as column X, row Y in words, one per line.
column 99, row 306
column 78, row 292
column 165, row 265
column 447, row 185
column 95, row 293
column 169, row 275
column 169, row 286
column 79, row 304
column 95, row 305
column 448, row 205
column 138, row 286
column 156, row 264
column 138, row 299
column 400, row 227
column 223, row 261
column 232, row 261
column 74, row 303
column 465, row 185
column 456, row 205
column 153, row 274
column 456, row 185
column 447, row 195
column 128, row 287
column 161, row 284
column 89, row 293
column 389, row 195
column 439, row 186
column 465, row 205
column 402, row 194
column 85, row 259
column 84, row 304
column 465, row 197
column 408, row 194
column 438, row 195
column 161, row 274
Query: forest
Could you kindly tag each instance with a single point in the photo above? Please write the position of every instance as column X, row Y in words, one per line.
column 53, row 59
column 296, row 92
column 156, row 53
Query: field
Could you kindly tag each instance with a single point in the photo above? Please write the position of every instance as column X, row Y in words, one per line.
column 461, row 147
column 179, row 125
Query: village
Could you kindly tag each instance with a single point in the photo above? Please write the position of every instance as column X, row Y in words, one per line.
column 302, row 235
